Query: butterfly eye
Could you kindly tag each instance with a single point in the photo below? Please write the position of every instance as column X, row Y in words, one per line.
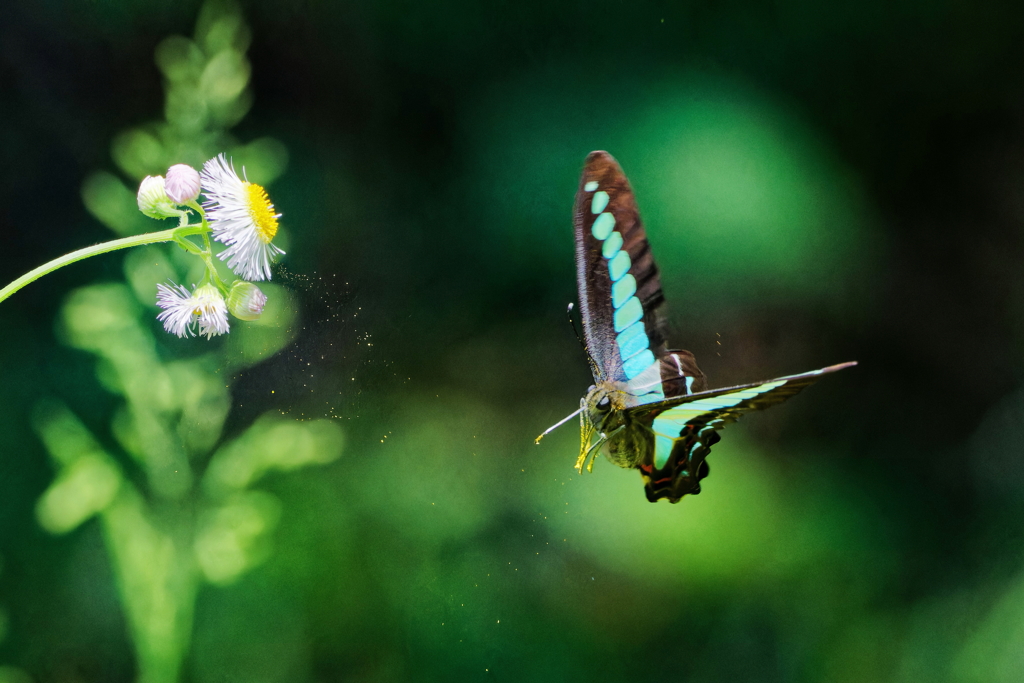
column 604, row 403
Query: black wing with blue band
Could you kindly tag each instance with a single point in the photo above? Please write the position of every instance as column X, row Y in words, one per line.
column 686, row 427
column 619, row 287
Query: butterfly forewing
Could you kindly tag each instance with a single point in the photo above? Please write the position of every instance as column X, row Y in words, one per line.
column 619, row 287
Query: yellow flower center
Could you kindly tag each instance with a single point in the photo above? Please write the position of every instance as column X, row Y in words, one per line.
column 261, row 211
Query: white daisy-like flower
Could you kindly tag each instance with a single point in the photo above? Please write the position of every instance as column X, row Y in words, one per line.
column 186, row 311
column 242, row 217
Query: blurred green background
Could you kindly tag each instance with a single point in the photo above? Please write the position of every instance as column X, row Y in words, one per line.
column 363, row 499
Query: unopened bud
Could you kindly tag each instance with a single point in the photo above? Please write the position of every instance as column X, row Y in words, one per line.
column 153, row 200
column 246, row 301
column 182, row 184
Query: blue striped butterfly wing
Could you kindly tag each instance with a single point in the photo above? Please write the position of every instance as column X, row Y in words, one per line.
column 686, row 427
column 619, row 287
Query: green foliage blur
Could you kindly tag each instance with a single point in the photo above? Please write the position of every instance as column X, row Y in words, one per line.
column 349, row 490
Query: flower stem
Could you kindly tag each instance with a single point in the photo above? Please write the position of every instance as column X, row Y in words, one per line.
column 97, row 249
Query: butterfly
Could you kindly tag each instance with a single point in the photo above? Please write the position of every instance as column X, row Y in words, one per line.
column 649, row 407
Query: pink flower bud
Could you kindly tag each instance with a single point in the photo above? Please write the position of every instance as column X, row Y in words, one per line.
column 182, row 184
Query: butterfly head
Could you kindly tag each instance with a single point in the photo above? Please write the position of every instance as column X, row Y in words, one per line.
column 602, row 402
column 600, row 416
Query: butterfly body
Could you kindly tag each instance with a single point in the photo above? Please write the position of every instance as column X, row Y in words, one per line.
column 606, row 405
column 649, row 407
column 629, row 440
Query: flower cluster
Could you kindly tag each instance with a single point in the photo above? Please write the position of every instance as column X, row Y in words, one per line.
column 236, row 213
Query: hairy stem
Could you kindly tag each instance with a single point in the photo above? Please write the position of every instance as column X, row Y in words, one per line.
column 102, row 248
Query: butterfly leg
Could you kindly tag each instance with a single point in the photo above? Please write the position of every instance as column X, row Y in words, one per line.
column 586, row 435
column 591, row 451
column 586, row 451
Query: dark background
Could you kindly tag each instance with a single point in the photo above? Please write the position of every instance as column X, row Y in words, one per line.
column 821, row 182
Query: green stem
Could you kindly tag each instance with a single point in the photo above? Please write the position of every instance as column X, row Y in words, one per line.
column 208, row 256
column 97, row 249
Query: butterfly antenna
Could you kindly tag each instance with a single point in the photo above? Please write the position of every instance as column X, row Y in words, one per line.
column 593, row 366
column 586, row 350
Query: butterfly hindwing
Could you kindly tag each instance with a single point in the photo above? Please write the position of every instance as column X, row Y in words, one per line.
column 686, row 427
column 619, row 287
column 680, row 375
